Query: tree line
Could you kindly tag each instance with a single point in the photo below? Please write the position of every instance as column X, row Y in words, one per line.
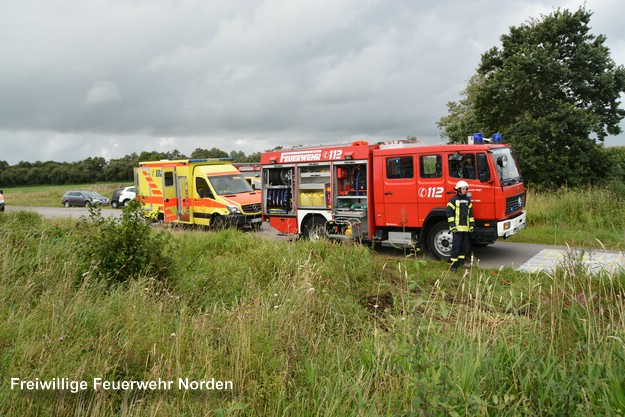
column 98, row 169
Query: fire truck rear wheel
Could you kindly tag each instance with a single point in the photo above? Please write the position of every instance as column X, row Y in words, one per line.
column 315, row 229
column 439, row 240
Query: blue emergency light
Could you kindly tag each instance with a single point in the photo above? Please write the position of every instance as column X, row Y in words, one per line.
column 478, row 139
column 496, row 138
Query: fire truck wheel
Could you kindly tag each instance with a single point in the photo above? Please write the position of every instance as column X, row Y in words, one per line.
column 439, row 240
column 315, row 229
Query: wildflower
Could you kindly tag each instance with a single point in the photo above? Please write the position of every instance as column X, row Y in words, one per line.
column 581, row 297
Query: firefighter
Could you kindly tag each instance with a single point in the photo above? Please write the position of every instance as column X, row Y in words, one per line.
column 461, row 223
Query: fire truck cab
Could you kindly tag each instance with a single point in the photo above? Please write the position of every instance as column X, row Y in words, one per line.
column 394, row 194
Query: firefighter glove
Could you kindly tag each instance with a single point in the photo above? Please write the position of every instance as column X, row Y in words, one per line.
column 471, row 229
column 453, row 229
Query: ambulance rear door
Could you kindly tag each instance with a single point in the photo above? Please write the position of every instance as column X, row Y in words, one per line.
column 170, row 195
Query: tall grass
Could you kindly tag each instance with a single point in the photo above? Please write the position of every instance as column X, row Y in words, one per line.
column 589, row 217
column 304, row 329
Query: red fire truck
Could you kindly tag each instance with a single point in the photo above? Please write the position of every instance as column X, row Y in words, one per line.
column 395, row 194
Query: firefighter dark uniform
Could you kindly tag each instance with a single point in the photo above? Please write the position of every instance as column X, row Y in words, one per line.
column 461, row 223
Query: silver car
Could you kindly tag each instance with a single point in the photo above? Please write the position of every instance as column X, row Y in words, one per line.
column 83, row 198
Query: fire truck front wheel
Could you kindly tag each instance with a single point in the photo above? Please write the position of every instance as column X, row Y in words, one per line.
column 439, row 240
column 315, row 229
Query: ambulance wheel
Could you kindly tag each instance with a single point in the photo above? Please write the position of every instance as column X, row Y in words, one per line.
column 315, row 229
column 218, row 222
column 114, row 204
column 440, row 240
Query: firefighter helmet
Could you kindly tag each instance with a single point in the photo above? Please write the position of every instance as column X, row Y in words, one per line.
column 461, row 184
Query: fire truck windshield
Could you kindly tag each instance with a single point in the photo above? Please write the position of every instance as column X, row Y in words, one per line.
column 230, row 184
column 507, row 169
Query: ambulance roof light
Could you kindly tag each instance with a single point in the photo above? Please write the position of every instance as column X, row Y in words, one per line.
column 478, row 139
column 496, row 138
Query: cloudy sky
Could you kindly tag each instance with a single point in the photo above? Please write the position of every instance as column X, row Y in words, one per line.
column 83, row 78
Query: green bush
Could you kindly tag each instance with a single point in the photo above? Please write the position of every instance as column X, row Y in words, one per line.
column 122, row 249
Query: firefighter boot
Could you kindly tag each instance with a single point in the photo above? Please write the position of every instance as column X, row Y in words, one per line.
column 454, row 265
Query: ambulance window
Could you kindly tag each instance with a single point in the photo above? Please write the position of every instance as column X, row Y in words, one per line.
column 169, row 179
column 399, row 167
column 431, row 166
column 202, row 188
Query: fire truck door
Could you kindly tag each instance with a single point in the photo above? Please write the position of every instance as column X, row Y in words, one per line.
column 473, row 168
column 482, row 190
column 170, row 201
column 431, row 192
column 400, row 191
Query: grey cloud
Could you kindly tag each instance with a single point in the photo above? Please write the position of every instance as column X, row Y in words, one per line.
column 103, row 92
column 114, row 77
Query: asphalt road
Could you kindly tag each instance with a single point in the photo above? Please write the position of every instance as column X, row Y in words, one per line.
column 500, row 254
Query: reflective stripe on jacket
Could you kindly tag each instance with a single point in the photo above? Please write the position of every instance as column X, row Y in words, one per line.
column 460, row 213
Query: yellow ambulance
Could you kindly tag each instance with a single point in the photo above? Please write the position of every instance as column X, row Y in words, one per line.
column 210, row 192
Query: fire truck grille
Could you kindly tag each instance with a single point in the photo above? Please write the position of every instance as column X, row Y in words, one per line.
column 251, row 208
column 515, row 203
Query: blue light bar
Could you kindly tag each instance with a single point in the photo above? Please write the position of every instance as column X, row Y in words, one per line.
column 497, row 138
column 478, row 139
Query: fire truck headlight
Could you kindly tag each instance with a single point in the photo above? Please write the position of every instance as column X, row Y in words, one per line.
column 233, row 209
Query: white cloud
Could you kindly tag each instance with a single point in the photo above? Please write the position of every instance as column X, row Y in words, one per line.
column 103, row 92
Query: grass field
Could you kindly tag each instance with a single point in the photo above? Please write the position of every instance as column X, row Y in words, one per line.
column 299, row 329
column 589, row 217
column 50, row 195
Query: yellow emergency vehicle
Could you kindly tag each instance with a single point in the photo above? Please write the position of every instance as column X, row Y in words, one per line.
column 209, row 192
